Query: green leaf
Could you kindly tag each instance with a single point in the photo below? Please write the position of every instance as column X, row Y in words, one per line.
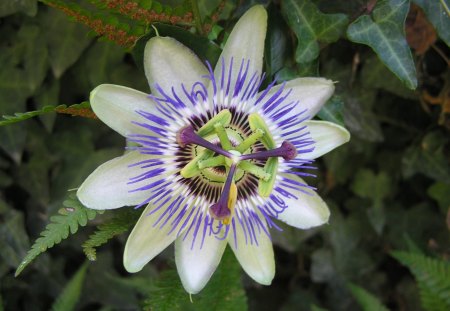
column 69, row 297
column 120, row 223
column 383, row 31
column 427, row 158
column 374, row 187
column 333, row 110
column 224, row 292
column 276, row 42
column 66, row 40
column 70, row 217
column 312, row 27
column 21, row 116
column 366, row 300
column 432, row 276
column 439, row 191
column 8, row 7
column 437, row 12
column 201, row 46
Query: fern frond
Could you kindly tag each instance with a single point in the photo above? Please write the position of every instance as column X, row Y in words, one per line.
column 83, row 109
column 366, row 300
column 432, row 276
column 119, row 224
column 70, row 218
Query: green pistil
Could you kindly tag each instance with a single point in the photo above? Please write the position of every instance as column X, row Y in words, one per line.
column 250, row 141
column 223, row 137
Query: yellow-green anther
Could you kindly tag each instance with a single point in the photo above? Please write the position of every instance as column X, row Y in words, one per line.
column 256, row 122
column 249, row 141
column 223, row 117
column 192, row 169
column 254, row 169
column 211, row 162
column 265, row 186
column 223, row 137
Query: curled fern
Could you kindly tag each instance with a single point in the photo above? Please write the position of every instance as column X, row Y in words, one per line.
column 119, row 224
column 70, row 218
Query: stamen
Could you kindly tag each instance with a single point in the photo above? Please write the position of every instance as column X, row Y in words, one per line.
column 187, row 135
column 222, row 209
column 287, row 151
column 254, row 170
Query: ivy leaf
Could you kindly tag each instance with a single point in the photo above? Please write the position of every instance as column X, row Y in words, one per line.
column 383, row 31
column 438, row 14
column 66, row 40
column 366, row 300
column 70, row 218
column 311, row 27
column 69, row 297
column 201, row 46
column 333, row 110
column 432, row 276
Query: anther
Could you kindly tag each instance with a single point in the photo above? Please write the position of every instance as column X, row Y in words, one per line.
column 187, row 135
column 222, row 209
column 287, row 151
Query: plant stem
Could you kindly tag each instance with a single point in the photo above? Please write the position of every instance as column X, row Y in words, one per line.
column 197, row 17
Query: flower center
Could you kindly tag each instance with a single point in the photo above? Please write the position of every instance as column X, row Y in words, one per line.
column 218, row 149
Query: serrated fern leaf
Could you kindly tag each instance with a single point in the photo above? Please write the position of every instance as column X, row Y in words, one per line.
column 432, row 276
column 120, row 223
column 83, row 109
column 366, row 300
column 70, row 218
column 69, row 297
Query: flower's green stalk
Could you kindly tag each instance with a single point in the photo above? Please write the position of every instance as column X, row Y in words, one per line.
column 197, row 17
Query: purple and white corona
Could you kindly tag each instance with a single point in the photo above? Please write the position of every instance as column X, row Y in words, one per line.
column 212, row 158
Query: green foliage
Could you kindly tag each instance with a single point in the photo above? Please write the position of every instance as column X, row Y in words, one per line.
column 383, row 32
column 120, row 223
column 223, row 292
column 70, row 295
column 311, row 27
column 21, row 116
column 433, row 278
column 366, row 300
column 8, row 7
column 333, row 110
column 438, row 13
column 70, row 217
column 374, row 187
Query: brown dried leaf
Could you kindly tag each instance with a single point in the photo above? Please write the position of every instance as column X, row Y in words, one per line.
column 420, row 34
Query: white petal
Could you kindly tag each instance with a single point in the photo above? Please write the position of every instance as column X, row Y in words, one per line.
column 196, row 265
column 312, row 94
column 327, row 136
column 116, row 106
column 146, row 240
column 246, row 42
column 303, row 211
column 107, row 188
column 257, row 260
column 169, row 63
